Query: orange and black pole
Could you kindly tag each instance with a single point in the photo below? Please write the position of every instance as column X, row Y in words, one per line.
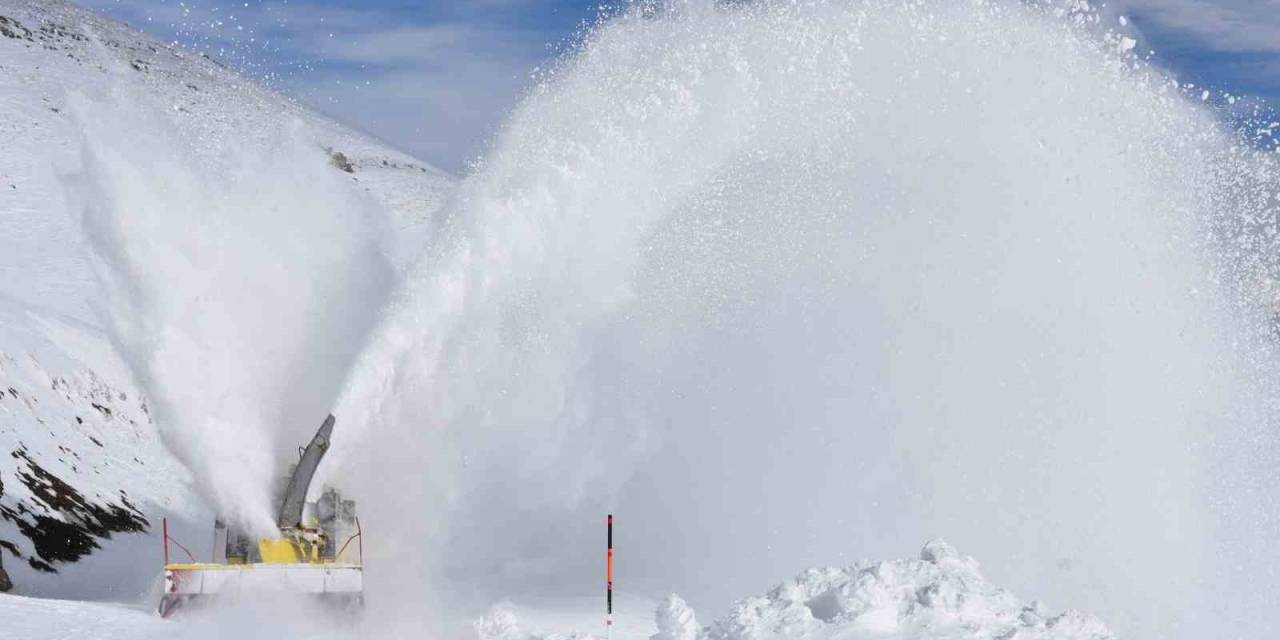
column 608, row 594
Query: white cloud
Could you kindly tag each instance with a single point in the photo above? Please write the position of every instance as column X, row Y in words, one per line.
column 1233, row 26
column 437, row 88
column 442, row 115
column 398, row 46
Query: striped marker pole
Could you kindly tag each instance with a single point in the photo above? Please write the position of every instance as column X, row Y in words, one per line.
column 608, row 594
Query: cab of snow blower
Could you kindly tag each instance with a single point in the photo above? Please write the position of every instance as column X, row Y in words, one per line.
column 319, row 551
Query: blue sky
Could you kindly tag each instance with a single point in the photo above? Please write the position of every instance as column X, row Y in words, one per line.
column 436, row 77
column 431, row 77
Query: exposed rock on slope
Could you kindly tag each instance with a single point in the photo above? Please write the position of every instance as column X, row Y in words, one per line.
column 60, row 522
column 81, row 464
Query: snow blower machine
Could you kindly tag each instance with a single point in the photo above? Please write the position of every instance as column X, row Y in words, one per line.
column 319, row 551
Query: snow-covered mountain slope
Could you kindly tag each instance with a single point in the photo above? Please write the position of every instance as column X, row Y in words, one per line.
column 82, row 468
column 50, row 49
column 941, row 595
column 84, row 476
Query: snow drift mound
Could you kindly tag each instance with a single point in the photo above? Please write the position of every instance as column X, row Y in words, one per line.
column 940, row 595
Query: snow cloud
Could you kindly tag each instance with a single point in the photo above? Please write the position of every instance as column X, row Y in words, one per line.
column 266, row 318
column 800, row 282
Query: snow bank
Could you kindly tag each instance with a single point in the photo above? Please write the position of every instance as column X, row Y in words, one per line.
column 941, row 595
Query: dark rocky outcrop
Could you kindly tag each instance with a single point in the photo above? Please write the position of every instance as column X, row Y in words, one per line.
column 340, row 160
column 11, row 28
column 5, row 583
column 72, row 524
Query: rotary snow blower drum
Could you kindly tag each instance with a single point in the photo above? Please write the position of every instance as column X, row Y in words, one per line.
column 319, row 551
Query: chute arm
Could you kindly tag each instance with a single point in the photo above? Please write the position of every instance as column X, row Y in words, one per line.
column 295, row 496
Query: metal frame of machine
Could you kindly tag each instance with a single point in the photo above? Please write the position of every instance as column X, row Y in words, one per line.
column 312, row 555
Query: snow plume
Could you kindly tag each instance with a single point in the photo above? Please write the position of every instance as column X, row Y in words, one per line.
column 240, row 274
column 780, row 282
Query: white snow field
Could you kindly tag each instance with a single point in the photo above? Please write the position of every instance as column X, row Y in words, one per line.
column 85, row 477
column 47, row 619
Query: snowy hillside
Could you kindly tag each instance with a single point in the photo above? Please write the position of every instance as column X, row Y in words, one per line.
column 84, row 477
column 939, row 596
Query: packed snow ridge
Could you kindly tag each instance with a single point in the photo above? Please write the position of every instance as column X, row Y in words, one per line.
column 939, row 596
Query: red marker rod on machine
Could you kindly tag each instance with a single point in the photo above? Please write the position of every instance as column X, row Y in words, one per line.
column 608, row 594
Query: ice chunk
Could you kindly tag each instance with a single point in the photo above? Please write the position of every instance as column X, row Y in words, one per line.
column 936, row 551
column 500, row 623
column 675, row 620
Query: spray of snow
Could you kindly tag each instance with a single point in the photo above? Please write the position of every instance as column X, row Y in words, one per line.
column 240, row 274
column 778, row 282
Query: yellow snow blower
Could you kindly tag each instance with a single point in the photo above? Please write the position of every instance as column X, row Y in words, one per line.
column 319, row 551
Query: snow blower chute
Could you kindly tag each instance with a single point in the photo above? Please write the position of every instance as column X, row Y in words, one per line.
column 319, row 550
